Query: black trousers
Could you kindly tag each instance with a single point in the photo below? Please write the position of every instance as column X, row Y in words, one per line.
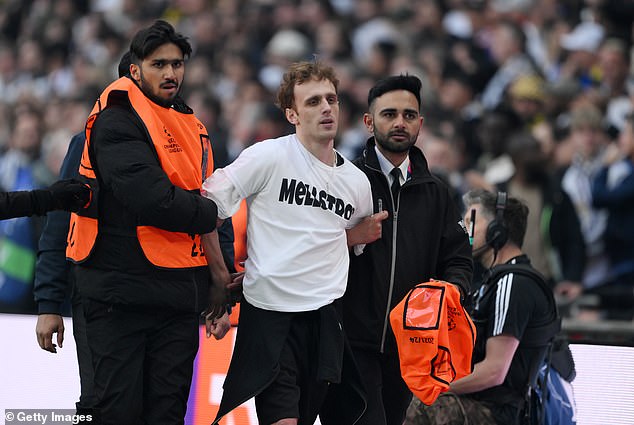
column 387, row 394
column 143, row 363
column 84, row 360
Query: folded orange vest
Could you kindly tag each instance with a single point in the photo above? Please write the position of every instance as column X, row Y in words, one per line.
column 435, row 338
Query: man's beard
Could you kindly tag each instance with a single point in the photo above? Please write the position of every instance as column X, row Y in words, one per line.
column 384, row 141
column 166, row 103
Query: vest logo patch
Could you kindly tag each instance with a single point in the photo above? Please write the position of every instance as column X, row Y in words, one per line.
column 453, row 314
column 172, row 145
column 300, row 193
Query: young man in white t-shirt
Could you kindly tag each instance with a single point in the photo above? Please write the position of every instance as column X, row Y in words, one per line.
column 304, row 199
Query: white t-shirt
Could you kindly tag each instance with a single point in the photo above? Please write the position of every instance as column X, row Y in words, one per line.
column 297, row 211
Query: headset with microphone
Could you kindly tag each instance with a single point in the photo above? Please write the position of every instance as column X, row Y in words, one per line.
column 497, row 233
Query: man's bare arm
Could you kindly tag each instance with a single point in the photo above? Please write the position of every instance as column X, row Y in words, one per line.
column 492, row 370
column 216, row 317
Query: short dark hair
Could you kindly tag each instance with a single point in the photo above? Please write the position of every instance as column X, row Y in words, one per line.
column 407, row 82
column 515, row 214
column 299, row 73
column 124, row 64
column 147, row 40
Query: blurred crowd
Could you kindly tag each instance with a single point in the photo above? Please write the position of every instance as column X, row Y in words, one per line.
column 530, row 96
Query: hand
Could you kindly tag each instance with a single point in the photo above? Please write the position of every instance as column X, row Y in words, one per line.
column 235, row 288
column 368, row 230
column 69, row 195
column 218, row 300
column 218, row 327
column 220, row 278
column 236, row 281
column 569, row 290
column 47, row 325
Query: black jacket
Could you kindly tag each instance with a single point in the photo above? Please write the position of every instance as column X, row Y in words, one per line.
column 134, row 189
column 431, row 242
column 52, row 283
column 23, row 203
column 53, row 280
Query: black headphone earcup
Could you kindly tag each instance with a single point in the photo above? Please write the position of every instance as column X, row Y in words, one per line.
column 497, row 235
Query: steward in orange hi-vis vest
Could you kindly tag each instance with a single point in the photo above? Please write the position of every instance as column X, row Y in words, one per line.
column 168, row 129
column 435, row 338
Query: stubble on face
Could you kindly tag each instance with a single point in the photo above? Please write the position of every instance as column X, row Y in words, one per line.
column 386, row 141
column 148, row 91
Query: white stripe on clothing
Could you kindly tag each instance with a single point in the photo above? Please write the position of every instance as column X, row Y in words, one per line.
column 502, row 297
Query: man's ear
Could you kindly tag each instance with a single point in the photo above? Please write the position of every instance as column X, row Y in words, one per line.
column 135, row 72
column 291, row 116
column 369, row 122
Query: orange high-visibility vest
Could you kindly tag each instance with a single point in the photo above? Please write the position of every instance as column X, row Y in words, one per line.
column 435, row 338
column 184, row 151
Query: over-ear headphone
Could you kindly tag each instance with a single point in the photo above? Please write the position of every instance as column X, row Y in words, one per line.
column 497, row 233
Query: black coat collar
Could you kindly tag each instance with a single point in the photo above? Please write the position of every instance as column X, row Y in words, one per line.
column 418, row 163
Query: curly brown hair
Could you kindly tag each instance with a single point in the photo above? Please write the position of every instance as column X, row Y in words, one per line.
column 299, row 73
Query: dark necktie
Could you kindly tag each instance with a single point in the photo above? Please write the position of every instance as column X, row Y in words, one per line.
column 396, row 183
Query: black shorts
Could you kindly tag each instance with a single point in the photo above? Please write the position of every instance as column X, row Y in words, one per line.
column 295, row 392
